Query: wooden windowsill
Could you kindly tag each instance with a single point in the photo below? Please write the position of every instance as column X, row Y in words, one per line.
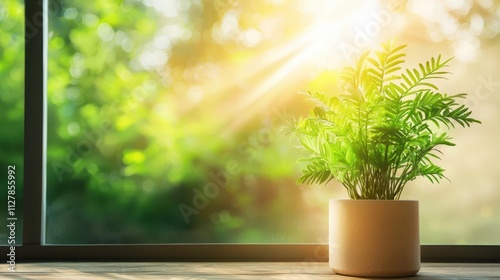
column 226, row 270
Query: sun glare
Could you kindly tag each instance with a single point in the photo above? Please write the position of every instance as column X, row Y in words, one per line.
column 314, row 48
column 279, row 49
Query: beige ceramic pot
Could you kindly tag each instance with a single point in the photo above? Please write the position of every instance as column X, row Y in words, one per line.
column 374, row 238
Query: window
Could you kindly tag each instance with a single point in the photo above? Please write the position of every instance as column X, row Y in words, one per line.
column 142, row 119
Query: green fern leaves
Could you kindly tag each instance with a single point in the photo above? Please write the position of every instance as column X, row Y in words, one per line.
column 384, row 129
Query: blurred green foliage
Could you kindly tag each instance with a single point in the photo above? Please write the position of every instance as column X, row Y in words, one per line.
column 11, row 105
column 130, row 154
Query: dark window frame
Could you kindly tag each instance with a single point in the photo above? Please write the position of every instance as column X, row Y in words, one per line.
column 33, row 248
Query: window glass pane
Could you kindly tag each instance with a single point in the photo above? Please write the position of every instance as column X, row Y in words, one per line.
column 11, row 120
column 164, row 116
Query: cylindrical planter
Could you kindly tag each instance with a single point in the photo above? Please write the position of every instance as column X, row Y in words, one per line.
column 374, row 238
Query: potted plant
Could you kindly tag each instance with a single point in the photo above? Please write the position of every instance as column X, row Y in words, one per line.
column 379, row 130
